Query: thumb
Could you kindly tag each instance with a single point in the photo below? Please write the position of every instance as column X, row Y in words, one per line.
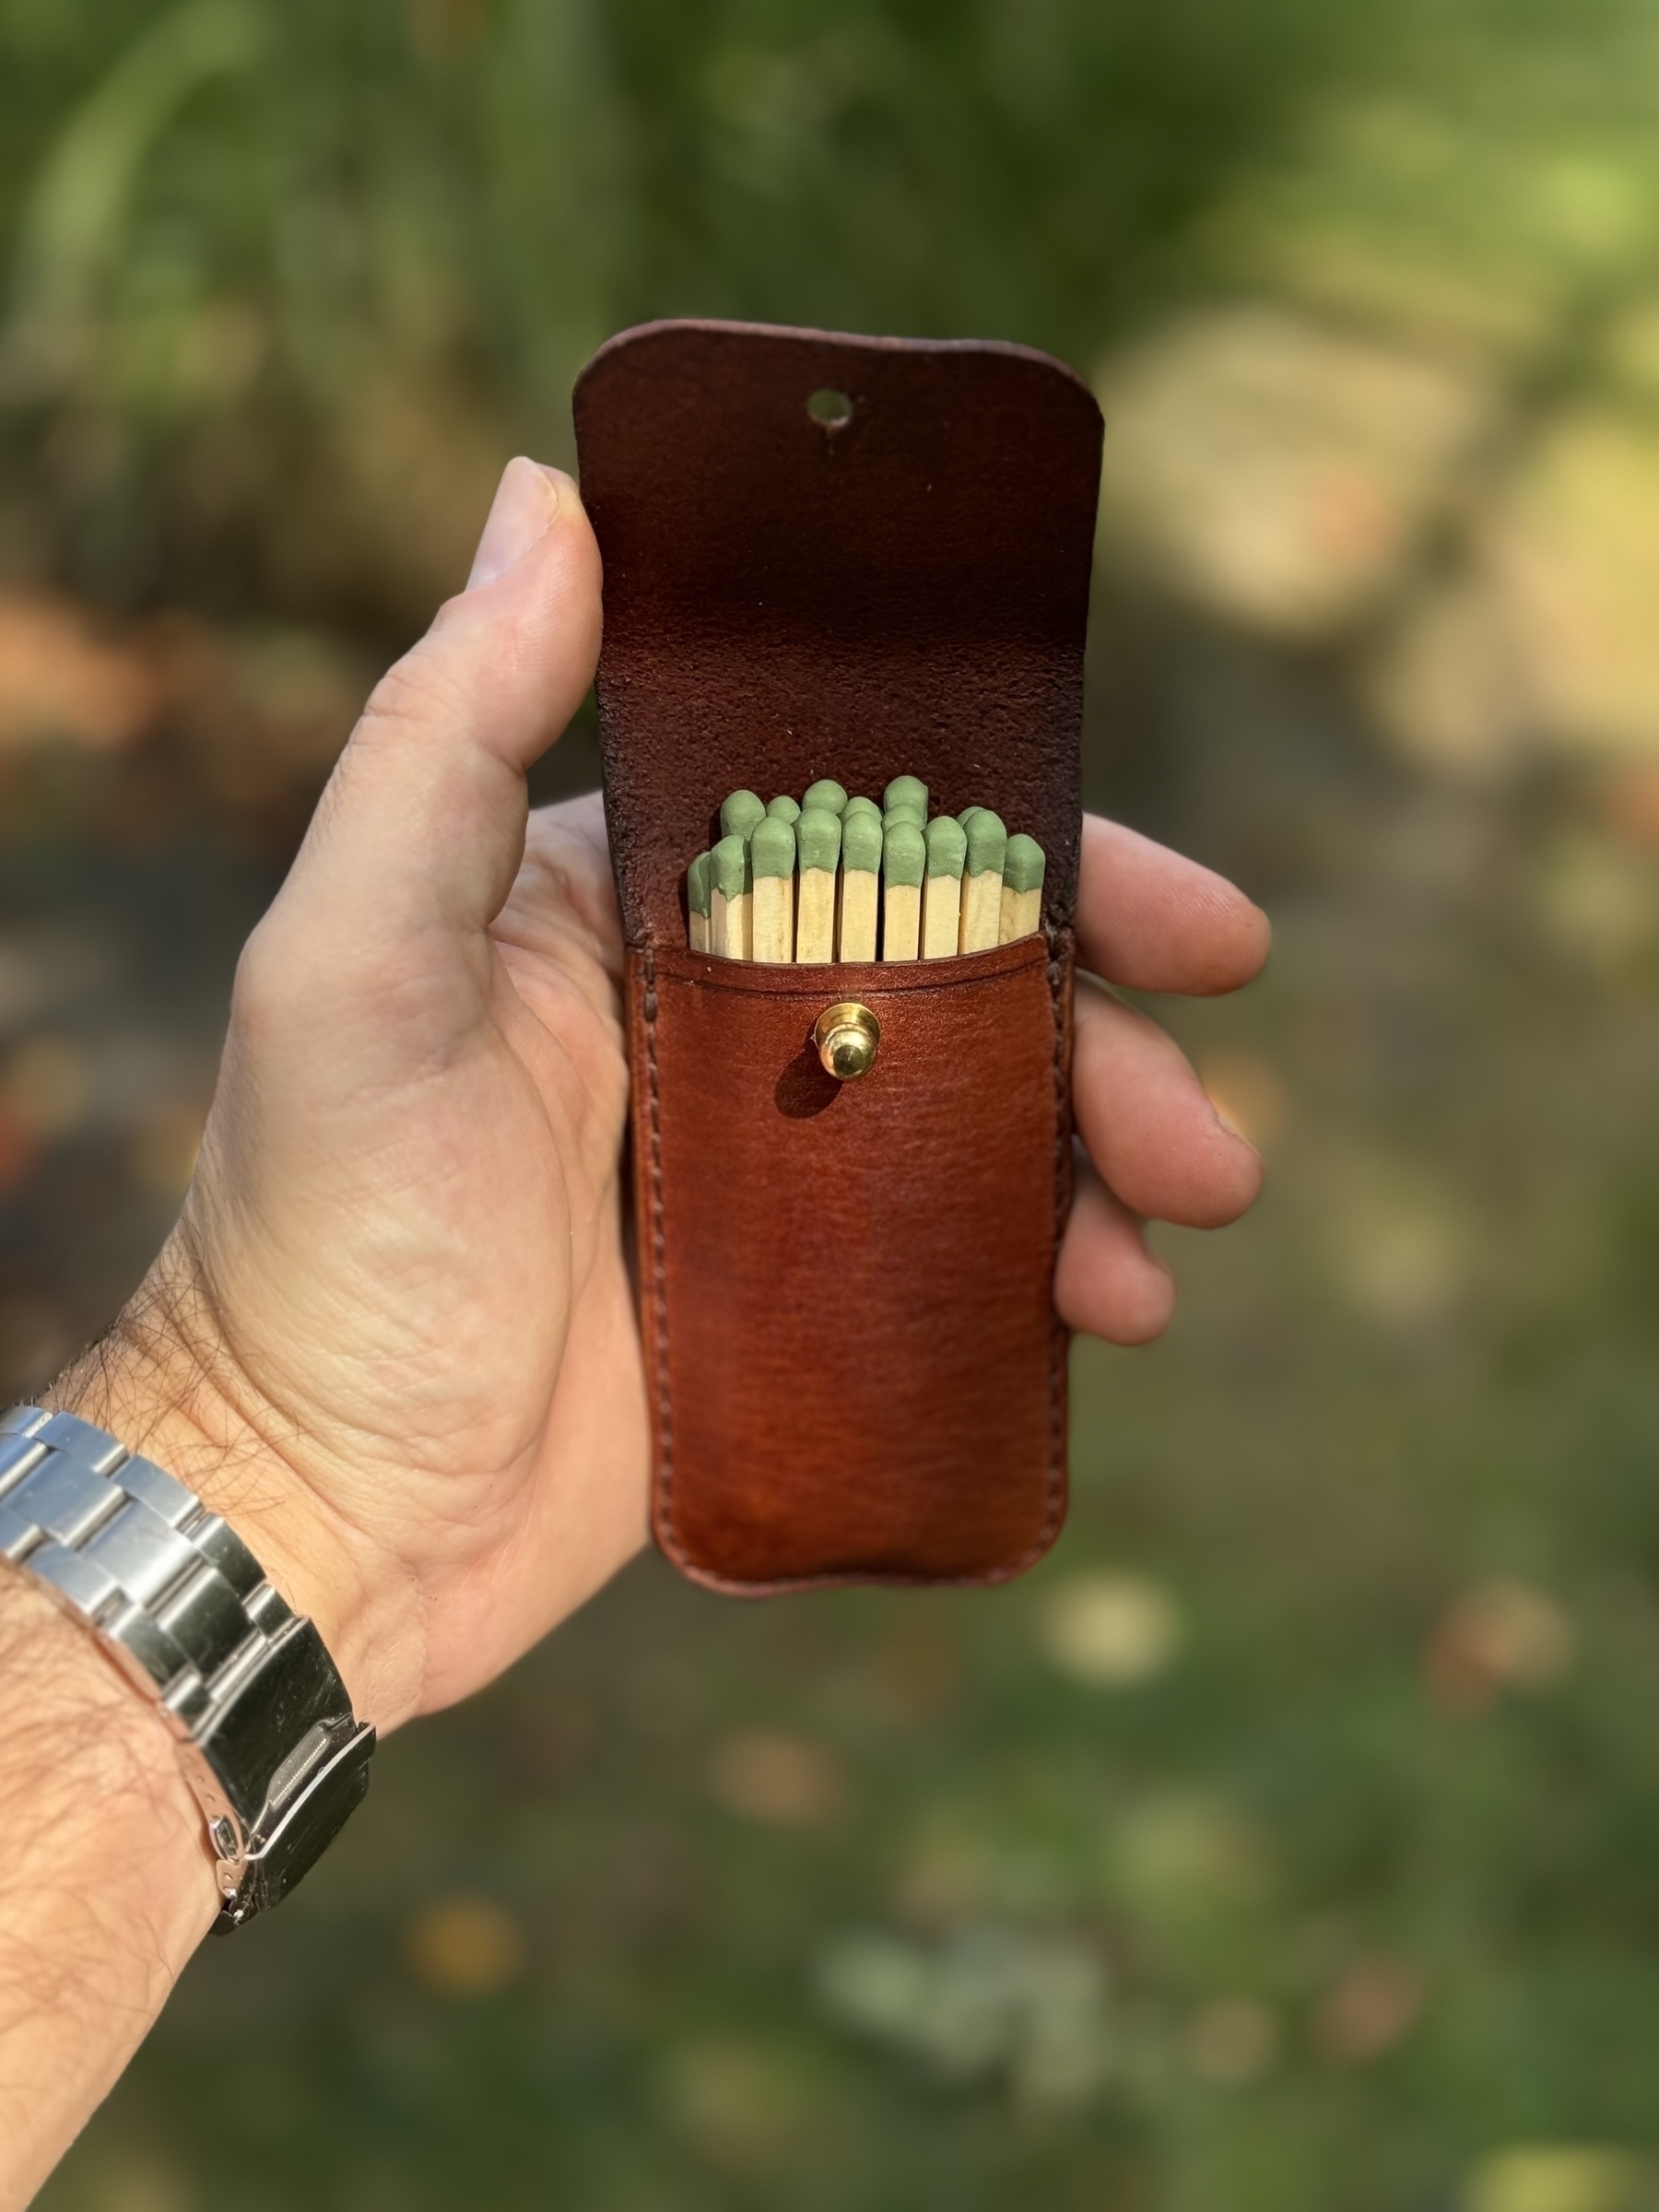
column 422, row 825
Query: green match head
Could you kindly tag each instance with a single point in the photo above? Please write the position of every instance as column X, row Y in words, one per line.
column 785, row 809
column 987, row 842
column 903, row 853
column 700, row 889
column 1023, row 863
column 861, row 844
column 819, row 836
column 729, row 867
column 828, row 792
column 906, row 790
column 947, row 846
column 895, row 815
column 739, row 814
column 854, row 806
column 772, row 847
column 968, row 814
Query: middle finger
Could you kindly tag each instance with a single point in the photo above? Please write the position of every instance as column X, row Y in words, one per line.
column 1152, row 1134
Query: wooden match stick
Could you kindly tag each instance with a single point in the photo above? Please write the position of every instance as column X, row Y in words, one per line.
column 825, row 792
column 784, row 808
column 698, row 894
column 739, row 814
column 817, row 847
column 981, row 889
column 904, row 863
column 906, row 790
column 942, row 890
column 860, row 900
column 731, row 917
column 773, row 860
column 1022, row 888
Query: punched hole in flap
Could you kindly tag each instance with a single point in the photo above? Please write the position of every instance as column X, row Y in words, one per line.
column 831, row 409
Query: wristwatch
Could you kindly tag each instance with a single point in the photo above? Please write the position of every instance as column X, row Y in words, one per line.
column 266, row 1733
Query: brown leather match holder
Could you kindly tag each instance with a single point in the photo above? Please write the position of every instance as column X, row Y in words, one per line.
column 846, row 1289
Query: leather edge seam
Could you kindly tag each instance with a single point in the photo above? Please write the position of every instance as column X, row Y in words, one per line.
column 663, row 1424
column 1059, row 1335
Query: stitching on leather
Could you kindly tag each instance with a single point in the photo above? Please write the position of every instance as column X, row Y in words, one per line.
column 659, row 1273
column 785, row 982
column 1058, row 1334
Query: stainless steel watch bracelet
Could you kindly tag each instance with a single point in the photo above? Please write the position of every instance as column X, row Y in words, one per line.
column 265, row 1729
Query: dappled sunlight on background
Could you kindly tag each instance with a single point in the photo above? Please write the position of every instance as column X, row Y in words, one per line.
column 1288, row 1838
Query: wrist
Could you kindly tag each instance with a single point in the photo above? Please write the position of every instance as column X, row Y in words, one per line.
column 163, row 1382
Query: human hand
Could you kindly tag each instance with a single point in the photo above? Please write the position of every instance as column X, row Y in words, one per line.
column 392, row 1339
column 393, row 1336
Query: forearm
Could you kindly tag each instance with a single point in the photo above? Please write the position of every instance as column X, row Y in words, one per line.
column 106, row 1886
column 106, row 1880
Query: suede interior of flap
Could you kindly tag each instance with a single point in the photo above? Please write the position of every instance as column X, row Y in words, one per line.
column 904, row 591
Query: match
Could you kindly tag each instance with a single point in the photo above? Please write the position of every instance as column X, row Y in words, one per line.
column 730, row 918
column 772, row 863
column 818, row 844
column 1023, row 864
column 942, row 890
column 981, row 889
column 860, row 902
column 904, row 863
column 739, row 814
column 698, row 894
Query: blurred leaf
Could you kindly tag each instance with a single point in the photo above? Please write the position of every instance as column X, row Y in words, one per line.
column 77, row 216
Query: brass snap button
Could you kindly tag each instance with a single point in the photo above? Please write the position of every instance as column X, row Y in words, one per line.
column 846, row 1037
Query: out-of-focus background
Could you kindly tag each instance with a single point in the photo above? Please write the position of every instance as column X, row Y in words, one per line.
column 1291, row 1839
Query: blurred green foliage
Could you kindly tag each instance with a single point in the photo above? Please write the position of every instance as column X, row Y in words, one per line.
column 1286, row 1842
column 286, row 278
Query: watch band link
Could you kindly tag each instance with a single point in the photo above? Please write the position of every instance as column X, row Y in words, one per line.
column 264, row 1725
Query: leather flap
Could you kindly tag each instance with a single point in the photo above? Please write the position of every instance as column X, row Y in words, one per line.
column 785, row 598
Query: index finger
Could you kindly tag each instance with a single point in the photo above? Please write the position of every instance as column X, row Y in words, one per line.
column 1153, row 921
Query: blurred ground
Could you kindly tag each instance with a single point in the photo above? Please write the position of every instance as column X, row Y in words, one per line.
column 1287, row 1840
